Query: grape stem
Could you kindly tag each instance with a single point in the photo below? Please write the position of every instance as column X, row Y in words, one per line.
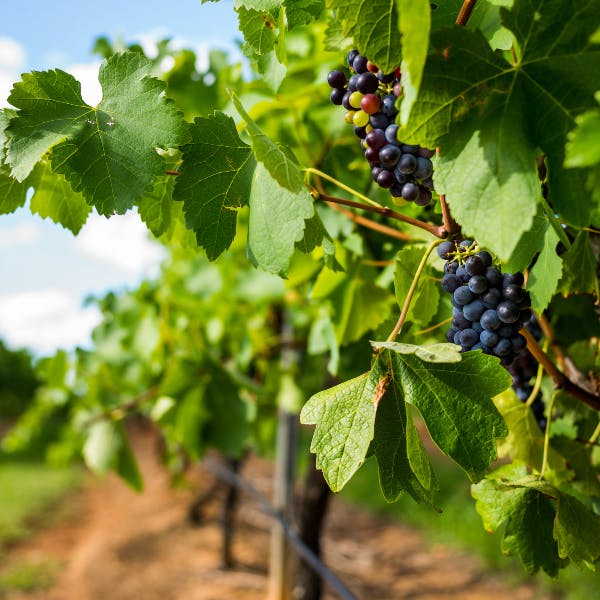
column 465, row 12
column 411, row 291
column 561, row 381
column 450, row 225
column 120, row 412
column 360, row 220
column 436, row 230
column 172, row 172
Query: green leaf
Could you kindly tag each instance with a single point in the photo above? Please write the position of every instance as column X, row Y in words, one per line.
column 216, row 178
column 577, row 531
column 455, row 402
column 373, row 24
column 191, row 416
column 271, row 6
column 13, row 193
column 442, row 353
column 276, row 159
column 276, row 222
column 579, row 268
column 54, row 198
column 507, row 107
column 257, row 28
column 315, row 235
column 125, row 463
column 488, row 177
column 545, row 274
column 528, row 514
column 425, row 302
column 345, row 421
column 583, row 149
column 391, row 448
column 302, row 12
column 107, row 153
column 415, row 23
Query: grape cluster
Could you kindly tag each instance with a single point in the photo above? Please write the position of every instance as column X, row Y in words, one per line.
column 369, row 97
column 489, row 307
column 523, row 370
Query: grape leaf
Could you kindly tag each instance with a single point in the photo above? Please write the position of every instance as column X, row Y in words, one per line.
column 276, row 159
column 54, row 198
column 425, row 302
column 302, row 12
column 257, row 28
column 276, row 222
column 13, row 193
column 583, row 149
column 344, row 416
column 373, row 24
column 216, row 178
column 414, row 25
column 545, row 274
column 270, row 6
column 577, row 531
column 455, row 402
column 525, row 441
column 528, row 513
column 107, row 153
column 506, row 108
column 579, row 268
column 315, row 235
column 5, row 115
column 391, row 448
column 442, row 353
column 156, row 208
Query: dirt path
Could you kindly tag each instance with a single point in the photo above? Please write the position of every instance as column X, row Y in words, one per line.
column 120, row 545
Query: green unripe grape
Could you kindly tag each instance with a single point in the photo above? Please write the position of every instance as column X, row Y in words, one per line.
column 360, row 118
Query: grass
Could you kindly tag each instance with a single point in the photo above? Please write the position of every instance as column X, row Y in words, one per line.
column 459, row 526
column 28, row 577
column 27, row 490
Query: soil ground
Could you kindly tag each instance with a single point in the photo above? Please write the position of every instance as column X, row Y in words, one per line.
column 120, row 545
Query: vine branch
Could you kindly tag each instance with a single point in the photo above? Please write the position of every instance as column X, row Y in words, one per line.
column 450, row 225
column 465, row 12
column 436, row 230
column 561, row 381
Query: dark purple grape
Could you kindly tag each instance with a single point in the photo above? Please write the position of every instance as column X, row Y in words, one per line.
column 503, row 347
column 468, row 337
column 346, row 101
column 518, row 343
column 508, row 312
column 460, row 321
column 391, row 134
column 372, row 155
column 450, row 334
column 407, row 164
column 462, row 273
column 389, row 155
column 386, row 77
column 424, row 152
column 376, row 139
column 494, row 277
column 492, row 297
column 488, row 338
column 336, row 79
column 401, row 178
column 359, row 64
column 444, row 250
column 474, row 310
column 514, row 293
column 465, row 244
column 490, row 320
column 424, row 197
column 424, row 168
column 375, row 172
column 463, row 295
column 352, row 83
column 450, row 282
column 351, row 56
column 388, row 105
column 451, row 267
column 396, row 189
column 367, row 83
column 478, row 284
column 474, row 265
column 486, row 257
column 410, row 148
column 410, row 191
column 386, row 179
column 379, row 121
column 516, row 278
column 360, row 132
column 476, row 325
column 337, row 96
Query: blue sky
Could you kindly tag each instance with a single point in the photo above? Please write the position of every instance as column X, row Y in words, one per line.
column 45, row 272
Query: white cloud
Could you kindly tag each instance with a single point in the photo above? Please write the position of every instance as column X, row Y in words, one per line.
column 23, row 233
column 12, row 61
column 121, row 241
column 45, row 320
